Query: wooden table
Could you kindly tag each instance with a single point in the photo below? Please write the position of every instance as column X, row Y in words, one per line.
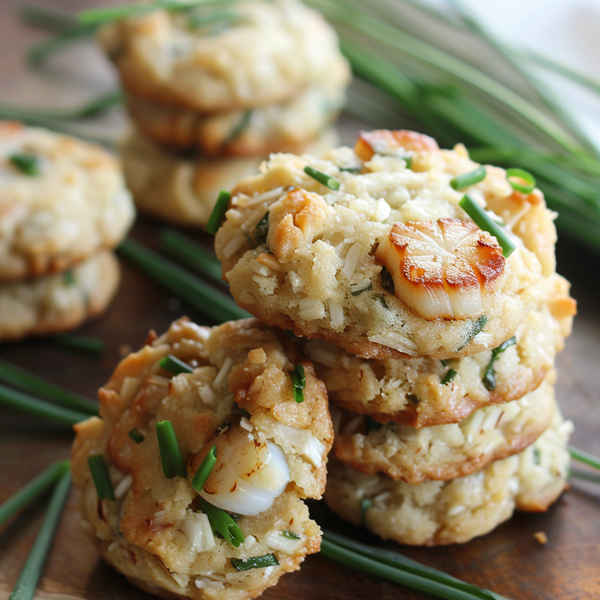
column 509, row 560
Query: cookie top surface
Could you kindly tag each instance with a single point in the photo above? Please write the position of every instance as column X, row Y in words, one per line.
column 383, row 262
column 239, row 397
column 258, row 53
column 61, row 199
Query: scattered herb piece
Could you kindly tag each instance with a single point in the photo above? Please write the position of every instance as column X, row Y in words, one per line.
column 174, row 365
column 99, row 471
column 299, row 381
column 449, row 376
column 136, row 436
column 537, row 458
column 290, row 535
column 68, row 278
column 254, row 562
column 381, row 299
column 239, row 128
column 207, row 465
column 222, row 427
column 222, row 523
column 365, row 504
column 413, row 398
column 260, row 232
column 521, row 180
column 218, row 213
column 170, row 454
column 476, row 327
column 387, row 281
column 359, row 288
column 445, row 362
column 489, row 375
column 331, row 182
column 26, row 163
column 355, row 170
column 460, row 182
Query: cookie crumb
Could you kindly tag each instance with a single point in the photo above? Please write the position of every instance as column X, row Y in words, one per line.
column 541, row 537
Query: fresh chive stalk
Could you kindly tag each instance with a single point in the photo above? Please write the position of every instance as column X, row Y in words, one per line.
column 254, row 562
column 26, row 583
column 449, row 376
column 521, row 180
column 170, row 453
column 40, row 52
column 101, row 478
column 483, row 221
column 222, row 523
column 33, row 384
column 38, row 408
column 26, row 163
column 81, row 343
column 299, row 382
column 207, row 465
column 460, row 182
column 217, row 216
column 51, row 19
column 239, row 128
column 331, row 182
column 489, row 375
column 584, row 457
column 136, row 436
column 174, row 365
column 36, row 487
column 180, row 282
column 191, row 255
column 577, row 474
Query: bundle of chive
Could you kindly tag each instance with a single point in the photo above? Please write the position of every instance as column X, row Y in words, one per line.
column 204, row 115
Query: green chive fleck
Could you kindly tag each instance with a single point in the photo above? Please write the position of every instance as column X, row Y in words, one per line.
column 99, row 471
column 445, row 362
column 331, row 182
column 476, row 327
column 260, row 232
column 365, row 504
column 521, row 180
column 222, row 523
column 174, row 365
column 354, row 170
column 448, row 377
column 136, row 436
column 68, row 278
column 489, row 376
column 207, row 465
column 254, row 562
column 460, row 182
column 537, row 458
column 299, row 381
column 290, row 535
column 26, row 163
column 170, row 453
column 239, row 128
column 218, row 213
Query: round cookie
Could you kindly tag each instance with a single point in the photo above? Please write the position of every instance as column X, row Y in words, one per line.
column 259, row 53
column 59, row 302
column 250, row 132
column 446, row 512
column 443, row 452
column 61, row 199
column 383, row 262
column 271, row 453
column 182, row 189
column 414, row 391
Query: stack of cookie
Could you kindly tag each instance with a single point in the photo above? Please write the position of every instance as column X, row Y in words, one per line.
column 63, row 206
column 213, row 90
column 436, row 339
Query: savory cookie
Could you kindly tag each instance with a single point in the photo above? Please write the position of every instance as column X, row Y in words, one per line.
column 443, row 452
column 208, row 58
column 180, row 188
column 445, row 512
column 250, row 132
column 271, row 451
column 380, row 259
column 61, row 199
column 422, row 392
column 59, row 302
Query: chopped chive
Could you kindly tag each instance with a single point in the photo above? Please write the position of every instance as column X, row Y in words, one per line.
column 38, row 408
column 475, row 328
column 170, row 454
column 489, row 375
column 68, row 278
column 372, row 424
column 537, row 457
column 217, row 215
column 359, row 288
column 191, row 255
column 521, row 180
column 36, row 487
column 34, row 384
column 207, row 465
column 460, row 182
column 331, row 182
column 365, row 504
column 354, row 170
column 448, row 377
column 26, row 163
column 387, row 281
column 254, row 562
column 290, row 535
column 260, row 232
column 221, row 522
column 189, row 288
column 239, row 128
column 136, row 436
column 299, row 381
column 81, row 343
column 584, row 457
column 483, row 221
column 101, row 478
column 445, row 362
column 408, row 160
column 381, row 299
column 27, row 580
column 174, row 365
column 224, row 426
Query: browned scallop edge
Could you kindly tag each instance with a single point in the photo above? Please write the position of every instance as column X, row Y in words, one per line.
column 445, row 472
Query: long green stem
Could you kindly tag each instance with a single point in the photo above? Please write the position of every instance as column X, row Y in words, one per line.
column 30, row 573
column 584, row 457
column 81, row 343
column 40, row 52
column 36, row 487
column 49, row 18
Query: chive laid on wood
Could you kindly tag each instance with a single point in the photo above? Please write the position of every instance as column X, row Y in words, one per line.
column 460, row 182
column 174, row 365
column 484, row 221
column 254, row 562
column 217, row 216
column 222, row 523
column 28, row 578
column 584, row 457
column 81, row 343
column 521, row 180
column 207, row 465
column 170, row 453
column 331, row 182
column 101, row 478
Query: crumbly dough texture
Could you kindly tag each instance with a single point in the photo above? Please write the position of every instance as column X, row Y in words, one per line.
column 239, row 366
column 271, row 52
column 316, row 273
column 443, row 452
column 445, row 512
column 410, row 391
column 59, row 302
column 182, row 189
column 76, row 205
column 250, row 132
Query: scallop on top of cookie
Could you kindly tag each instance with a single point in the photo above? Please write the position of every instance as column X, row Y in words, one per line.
column 370, row 249
column 214, row 58
column 61, row 200
column 238, row 391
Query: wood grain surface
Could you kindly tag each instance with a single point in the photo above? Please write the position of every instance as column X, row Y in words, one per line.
column 509, row 560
